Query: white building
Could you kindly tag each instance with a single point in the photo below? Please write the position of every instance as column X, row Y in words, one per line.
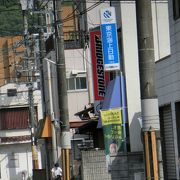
column 15, row 134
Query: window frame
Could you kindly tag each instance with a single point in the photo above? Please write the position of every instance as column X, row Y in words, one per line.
column 75, row 83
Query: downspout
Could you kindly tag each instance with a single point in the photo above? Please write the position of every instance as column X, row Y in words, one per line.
column 54, row 145
column 85, row 55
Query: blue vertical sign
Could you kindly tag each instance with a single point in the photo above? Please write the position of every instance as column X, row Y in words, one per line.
column 109, row 39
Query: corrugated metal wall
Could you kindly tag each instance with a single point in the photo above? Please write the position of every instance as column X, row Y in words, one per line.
column 168, row 143
column 14, row 118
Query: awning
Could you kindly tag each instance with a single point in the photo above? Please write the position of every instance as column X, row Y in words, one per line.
column 44, row 128
column 113, row 97
column 84, row 114
column 77, row 124
column 89, row 126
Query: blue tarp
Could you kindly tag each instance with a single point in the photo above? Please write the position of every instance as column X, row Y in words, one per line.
column 113, row 98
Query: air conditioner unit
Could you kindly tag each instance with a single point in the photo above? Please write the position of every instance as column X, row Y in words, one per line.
column 75, row 72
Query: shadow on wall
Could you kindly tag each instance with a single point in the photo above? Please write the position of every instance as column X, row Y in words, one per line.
column 15, row 168
column 127, row 166
column 12, row 165
column 135, row 133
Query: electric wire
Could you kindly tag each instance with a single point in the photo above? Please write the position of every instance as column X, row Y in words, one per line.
column 82, row 12
column 67, row 18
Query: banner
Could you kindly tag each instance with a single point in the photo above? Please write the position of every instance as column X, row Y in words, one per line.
column 109, row 39
column 100, row 78
column 113, row 132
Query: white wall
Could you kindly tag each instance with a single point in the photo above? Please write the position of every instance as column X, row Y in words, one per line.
column 130, row 51
column 24, row 155
column 76, row 60
column 76, row 101
column 15, row 132
column 161, row 29
column 93, row 16
column 21, row 99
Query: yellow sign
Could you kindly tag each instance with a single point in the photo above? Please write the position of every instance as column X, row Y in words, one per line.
column 111, row 116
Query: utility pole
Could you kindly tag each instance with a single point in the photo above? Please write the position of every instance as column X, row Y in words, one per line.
column 46, row 115
column 149, row 101
column 35, row 162
column 31, row 110
column 28, row 52
column 42, row 53
column 62, row 93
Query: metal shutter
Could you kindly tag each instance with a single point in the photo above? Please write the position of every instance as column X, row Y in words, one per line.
column 168, row 143
column 14, row 118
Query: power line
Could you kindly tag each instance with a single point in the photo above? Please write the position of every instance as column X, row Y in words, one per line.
column 82, row 12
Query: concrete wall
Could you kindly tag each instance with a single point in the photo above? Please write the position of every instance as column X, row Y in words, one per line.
column 124, row 167
column 24, row 161
column 21, row 99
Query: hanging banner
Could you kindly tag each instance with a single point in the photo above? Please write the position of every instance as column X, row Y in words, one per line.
column 109, row 39
column 100, row 78
column 113, row 132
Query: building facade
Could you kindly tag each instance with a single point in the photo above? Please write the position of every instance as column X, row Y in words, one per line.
column 15, row 135
column 167, row 83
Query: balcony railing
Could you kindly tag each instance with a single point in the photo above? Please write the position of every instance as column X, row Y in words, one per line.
column 74, row 39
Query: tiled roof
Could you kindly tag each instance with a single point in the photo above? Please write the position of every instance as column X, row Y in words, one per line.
column 15, row 139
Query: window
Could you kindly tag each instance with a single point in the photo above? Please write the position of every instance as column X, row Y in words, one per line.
column 74, row 23
column 71, row 84
column 176, row 9
column 76, row 83
column 12, row 92
column 81, row 83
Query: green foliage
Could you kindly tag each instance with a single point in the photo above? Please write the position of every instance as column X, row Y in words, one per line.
column 8, row 3
column 11, row 19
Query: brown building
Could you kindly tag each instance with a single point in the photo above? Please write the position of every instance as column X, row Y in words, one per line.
column 11, row 53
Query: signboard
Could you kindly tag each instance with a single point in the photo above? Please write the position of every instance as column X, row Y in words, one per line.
column 113, row 132
column 100, row 78
column 109, row 39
